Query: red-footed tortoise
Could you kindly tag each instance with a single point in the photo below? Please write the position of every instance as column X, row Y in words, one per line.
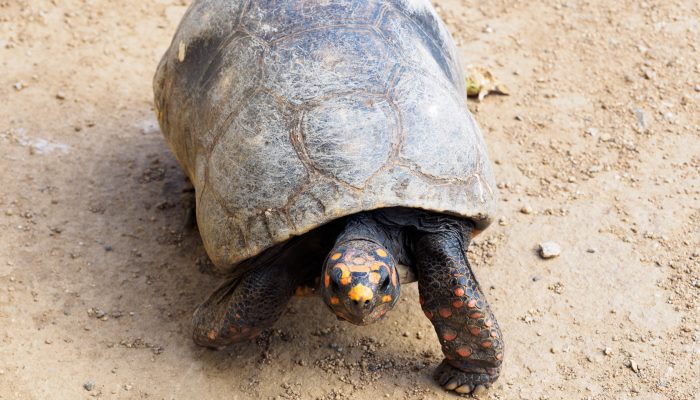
column 331, row 139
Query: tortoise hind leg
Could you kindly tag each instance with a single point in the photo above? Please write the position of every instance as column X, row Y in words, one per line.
column 453, row 301
column 242, row 307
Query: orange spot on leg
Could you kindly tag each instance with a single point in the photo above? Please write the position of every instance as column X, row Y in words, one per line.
column 486, row 344
column 475, row 331
column 457, row 304
column 471, row 303
column 499, row 356
column 449, row 335
column 488, row 323
column 445, row 312
column 428, row 314
column 475, row 315
column 386, row 299
column 459, row 292
column 464, row 351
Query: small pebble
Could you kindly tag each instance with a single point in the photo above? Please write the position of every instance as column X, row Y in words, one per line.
column 526, row 209
column 89, row 385
column 697, row 88
column 108, row 248
column 593, row 132
column 419, row 335
column 549, row 250
column 633, row 366
column 591, row 250
column 607, row 351
column 61, row 96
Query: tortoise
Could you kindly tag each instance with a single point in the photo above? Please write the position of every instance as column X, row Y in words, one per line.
column 329, row 141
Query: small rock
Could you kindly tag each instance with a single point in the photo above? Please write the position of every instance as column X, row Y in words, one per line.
column 590, row 250
column 19, row 86
column 633, row 366
column 61, row 96
column 502, row 221
column 405, row 334
column 607, row 351
column 697, row 88
column 549, row 250
column 109, row 248
column 48, row 341
column 593, row 132
column 641, row 120
column 89, row 385
column 419, row 335
column 526, row 209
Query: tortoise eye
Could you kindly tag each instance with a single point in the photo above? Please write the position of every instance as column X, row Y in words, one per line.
column 385, row 284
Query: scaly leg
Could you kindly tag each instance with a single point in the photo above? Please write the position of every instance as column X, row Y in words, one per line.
column 453, row 301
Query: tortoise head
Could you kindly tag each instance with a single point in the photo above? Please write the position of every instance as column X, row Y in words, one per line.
column 360, row 281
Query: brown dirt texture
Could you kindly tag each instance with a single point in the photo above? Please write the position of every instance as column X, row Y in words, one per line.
column 597, row 148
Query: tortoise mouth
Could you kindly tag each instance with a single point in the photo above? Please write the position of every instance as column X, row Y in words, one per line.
column 360, row 317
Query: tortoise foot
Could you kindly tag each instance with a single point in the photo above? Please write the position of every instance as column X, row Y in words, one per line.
column 465, row 379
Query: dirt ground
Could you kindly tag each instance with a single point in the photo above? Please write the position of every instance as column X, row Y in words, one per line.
column 597, row 148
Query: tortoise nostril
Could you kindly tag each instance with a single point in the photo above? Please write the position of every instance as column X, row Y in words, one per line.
column 366, row 302
column 356, row 302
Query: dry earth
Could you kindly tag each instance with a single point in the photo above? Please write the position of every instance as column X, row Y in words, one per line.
column 597, row 148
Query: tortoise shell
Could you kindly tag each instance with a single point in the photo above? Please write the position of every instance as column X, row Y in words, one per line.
column 287, row 115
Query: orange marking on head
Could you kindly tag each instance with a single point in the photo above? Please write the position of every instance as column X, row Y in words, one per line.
column 334, row 300
column 449, row 335
column 376, row 266
column 386, row 298
column 374, row 277
column 327, row 280
column 428, row 314
column 381, row 253
column 486, row 344
column 336, row 256
column 476, row 331
column 475, row 315
column 488, row 323
column 211, row 335
column 464, row 351
column 471, row 303
column 359, row 268
column 360, row 293
column 459, row 292
column 345, row 277
column 445, row 312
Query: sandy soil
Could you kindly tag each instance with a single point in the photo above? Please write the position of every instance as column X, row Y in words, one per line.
column 597, row 149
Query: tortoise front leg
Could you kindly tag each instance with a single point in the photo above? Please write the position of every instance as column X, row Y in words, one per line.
column 453, row 301
column 242, row 307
